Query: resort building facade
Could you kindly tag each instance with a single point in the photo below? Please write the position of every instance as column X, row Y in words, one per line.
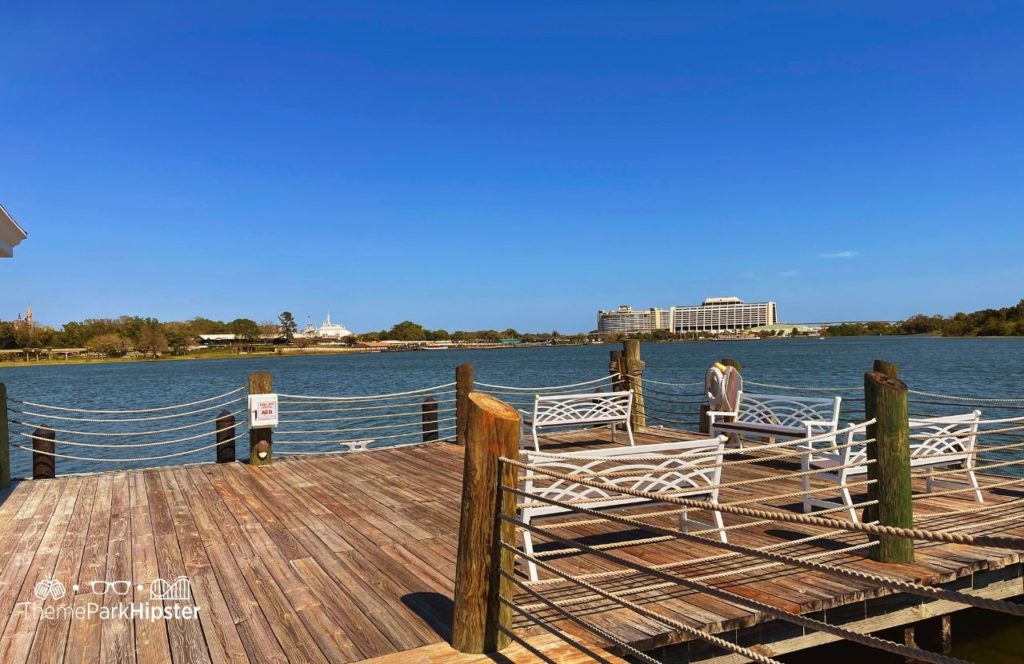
column 712, row 316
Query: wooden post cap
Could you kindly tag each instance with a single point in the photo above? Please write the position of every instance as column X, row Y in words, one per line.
column 494, row 406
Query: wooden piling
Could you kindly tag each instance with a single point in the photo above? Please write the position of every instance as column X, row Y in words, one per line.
column 887, row 368
column 885, row 400
column 635, row 373
column 493, row 431
column 225, row 433
column 463, row 388
column 617, row 369
column 261, row 443
column 429, row 419
column 44, row 445
column 5, row 441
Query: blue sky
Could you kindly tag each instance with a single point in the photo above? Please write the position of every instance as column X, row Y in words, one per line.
column 515, row 165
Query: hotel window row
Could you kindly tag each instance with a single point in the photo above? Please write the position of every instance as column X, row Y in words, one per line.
column 715, row 314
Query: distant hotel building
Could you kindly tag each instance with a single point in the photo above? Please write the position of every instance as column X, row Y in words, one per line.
column 713, row 315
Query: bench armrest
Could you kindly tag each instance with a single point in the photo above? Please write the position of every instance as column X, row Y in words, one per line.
column 820, row 424
column 723, row 413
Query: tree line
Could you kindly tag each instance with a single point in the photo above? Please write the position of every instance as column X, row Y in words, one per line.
column 117, row 337
column 1005, row 322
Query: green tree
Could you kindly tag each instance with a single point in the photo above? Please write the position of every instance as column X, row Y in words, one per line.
column 407, row 331
column 151, row 340
column 110, row 344
column 288, row 325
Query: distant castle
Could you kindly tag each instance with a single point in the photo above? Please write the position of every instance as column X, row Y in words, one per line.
column 25, row 322
column 327, row 330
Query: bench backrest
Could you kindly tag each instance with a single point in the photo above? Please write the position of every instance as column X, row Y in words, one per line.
column 787, row 410
column 688, row 468
column 946, row 438
column 587, row 408
column 945, row 435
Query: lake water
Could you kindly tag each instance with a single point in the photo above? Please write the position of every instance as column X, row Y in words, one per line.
column 981, row 367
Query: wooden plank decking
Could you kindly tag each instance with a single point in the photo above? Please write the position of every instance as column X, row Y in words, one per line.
column 351, row 557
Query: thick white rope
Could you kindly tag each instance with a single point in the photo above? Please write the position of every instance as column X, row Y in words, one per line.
column 418, row 413
column 130, row 412
column 770, row 609
column 354, row 409
column 513, row 388
column 804, row 388
column 661, row 382
column 132, row 459
column 130, row 419
column 342, row 442
column 76, row 443
column 1003, row 541
column 928, row 592
column 33, row 425
column 369, row 397
column 951, row 397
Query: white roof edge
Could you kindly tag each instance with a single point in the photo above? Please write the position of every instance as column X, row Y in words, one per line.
column 5, row 215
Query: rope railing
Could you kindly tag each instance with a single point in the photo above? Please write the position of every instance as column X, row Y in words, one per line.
column 547, row 388
column 749, row 603
column 129, row 411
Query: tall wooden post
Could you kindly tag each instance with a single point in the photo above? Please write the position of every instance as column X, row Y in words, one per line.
column 617, row 368
column 635, row 371
column 885, row 400
column 463, row 388
column 225, row 432
column 887, row 368
column 5, row 441
column 261, row 443
column 429, row 419
column 493, row 432
column 44, row 445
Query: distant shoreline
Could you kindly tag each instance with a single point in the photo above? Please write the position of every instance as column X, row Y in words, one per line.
column 223, row 355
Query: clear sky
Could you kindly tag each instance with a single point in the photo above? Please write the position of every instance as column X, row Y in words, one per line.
column 523, row 164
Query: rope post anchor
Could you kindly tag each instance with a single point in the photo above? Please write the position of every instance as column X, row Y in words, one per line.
column 260, row 439
column 885, row 401
column 464, row 384
column 5, row 441
column 429, row 419
column 44, row 446
column 225, row 424
column 635, row 378
column 483, row 568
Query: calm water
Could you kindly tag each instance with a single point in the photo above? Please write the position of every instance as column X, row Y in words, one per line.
column 990, row 367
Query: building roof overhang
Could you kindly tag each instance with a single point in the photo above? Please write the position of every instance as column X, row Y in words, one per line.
column 11, row 234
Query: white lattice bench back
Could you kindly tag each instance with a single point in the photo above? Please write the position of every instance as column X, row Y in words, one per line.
column 777, row 416
column 565, row 410
column 935, row 442
column 691, row 469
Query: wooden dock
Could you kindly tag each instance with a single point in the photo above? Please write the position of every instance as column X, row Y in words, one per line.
column 350, row 557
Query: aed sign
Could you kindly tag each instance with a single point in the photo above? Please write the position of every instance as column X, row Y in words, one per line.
column 262, row 410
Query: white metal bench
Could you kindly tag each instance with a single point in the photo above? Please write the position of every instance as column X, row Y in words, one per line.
column 776, row 416
column 563, row 410
column 682, row 469
column 935, row 442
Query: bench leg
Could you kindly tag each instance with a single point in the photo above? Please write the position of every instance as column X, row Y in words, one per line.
column 805, row 485
column 848, row 501
column 720, row 524
column 629, row 433
column 531, row 567
column 973, row 479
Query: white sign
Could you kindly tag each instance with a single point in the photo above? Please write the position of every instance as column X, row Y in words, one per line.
column 262, row 410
